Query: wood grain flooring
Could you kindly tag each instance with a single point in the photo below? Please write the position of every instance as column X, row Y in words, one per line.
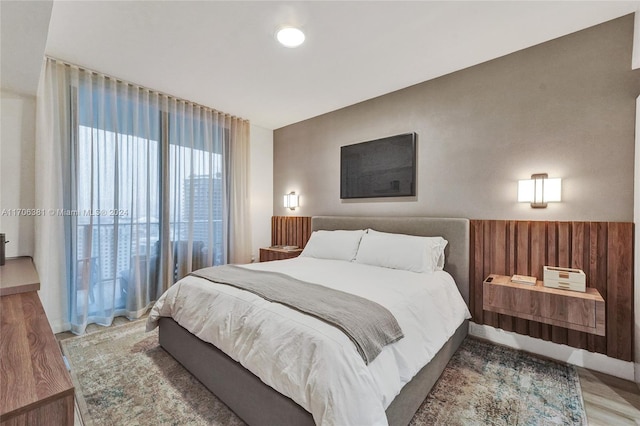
column 608, row 400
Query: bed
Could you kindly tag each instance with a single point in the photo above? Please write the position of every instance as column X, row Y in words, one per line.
column 259, row 404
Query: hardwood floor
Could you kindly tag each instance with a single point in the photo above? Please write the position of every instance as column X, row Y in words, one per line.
column 608, row 400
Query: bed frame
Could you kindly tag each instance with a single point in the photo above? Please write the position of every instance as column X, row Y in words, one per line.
column 257, row 403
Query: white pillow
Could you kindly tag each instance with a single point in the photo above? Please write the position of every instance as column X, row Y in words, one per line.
column 399, row 251
column 339, row 245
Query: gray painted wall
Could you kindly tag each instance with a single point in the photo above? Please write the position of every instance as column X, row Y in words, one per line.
column 565, row 107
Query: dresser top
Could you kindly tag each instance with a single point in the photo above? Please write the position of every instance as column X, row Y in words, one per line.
column 32, row 370
column 18, row 275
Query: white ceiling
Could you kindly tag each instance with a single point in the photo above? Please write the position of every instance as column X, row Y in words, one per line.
column 23, row 34
column 224, row 55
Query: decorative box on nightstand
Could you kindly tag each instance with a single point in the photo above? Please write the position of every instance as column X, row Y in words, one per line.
column 565, row 278
column 277, row 253
column 563, row 308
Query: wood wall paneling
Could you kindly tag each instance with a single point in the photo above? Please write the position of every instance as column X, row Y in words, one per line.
column 290, row 230
column 604, row 250
column 620, row 288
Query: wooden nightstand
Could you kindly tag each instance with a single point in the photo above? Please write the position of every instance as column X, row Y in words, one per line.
column 271, row 253
column 569, row 309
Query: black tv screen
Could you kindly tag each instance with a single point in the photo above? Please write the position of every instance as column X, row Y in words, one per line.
column 379, row 168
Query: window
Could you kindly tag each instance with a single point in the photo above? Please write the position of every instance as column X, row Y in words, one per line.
column 141, row 207
column 151, row 187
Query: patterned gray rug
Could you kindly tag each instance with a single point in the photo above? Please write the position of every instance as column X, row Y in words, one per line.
column 123, row 377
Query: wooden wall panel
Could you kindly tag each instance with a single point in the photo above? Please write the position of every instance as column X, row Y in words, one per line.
column 476, row 269
column 619, row 273
column 290, row 230
column 604, row 250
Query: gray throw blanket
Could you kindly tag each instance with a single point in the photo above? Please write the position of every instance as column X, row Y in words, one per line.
column 369, row 325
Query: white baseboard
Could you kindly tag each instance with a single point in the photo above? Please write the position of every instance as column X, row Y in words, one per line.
column 579, row 357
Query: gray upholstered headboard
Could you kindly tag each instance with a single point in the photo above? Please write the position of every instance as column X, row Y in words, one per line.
column 454, row 230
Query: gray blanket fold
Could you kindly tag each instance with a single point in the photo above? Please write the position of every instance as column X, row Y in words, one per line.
column 369, row 325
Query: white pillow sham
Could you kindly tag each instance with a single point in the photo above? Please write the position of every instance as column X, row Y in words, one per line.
column 338, row 245
column 399, row 251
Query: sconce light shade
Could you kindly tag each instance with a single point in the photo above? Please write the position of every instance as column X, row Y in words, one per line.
column 291, row 200
column 539, row 190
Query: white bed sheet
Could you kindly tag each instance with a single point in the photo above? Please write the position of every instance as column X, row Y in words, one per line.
column 310, row 361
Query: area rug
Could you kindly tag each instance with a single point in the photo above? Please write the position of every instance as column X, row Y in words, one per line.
column 487, row 384
column 123, row 377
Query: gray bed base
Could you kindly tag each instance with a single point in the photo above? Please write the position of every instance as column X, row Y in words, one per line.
column 259, row 404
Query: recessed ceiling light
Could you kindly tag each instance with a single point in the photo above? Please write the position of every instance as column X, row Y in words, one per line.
column 290, row 37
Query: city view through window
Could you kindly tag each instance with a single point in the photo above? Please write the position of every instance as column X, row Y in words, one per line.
column 119, row 204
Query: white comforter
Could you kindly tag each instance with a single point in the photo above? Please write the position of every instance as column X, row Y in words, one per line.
column 310, row 361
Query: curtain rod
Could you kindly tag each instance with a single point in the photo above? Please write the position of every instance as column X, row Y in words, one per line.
column 139, row 86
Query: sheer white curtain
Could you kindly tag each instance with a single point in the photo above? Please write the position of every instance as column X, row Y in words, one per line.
column 239, row 224
column 148, row 187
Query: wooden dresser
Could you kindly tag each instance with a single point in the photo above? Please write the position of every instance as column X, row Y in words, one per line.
column 35, row 386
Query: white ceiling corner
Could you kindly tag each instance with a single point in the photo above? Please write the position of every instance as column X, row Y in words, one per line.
column 23, row 35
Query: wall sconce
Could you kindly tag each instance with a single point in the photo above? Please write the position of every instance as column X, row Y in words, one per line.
column 539, row 190
column 291, row 200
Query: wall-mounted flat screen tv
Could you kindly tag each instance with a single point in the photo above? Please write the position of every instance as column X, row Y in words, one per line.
column 379, row 168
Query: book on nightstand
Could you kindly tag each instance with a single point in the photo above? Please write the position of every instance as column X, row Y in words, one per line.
column 523, row 279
